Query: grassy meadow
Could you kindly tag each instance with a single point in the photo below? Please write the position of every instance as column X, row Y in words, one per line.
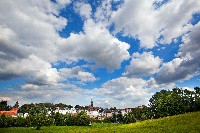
column 184, row 123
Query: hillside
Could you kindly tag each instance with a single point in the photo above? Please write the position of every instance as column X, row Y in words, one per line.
column 189, row 122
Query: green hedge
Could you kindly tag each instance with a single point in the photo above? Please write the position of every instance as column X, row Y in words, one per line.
column 80, row 119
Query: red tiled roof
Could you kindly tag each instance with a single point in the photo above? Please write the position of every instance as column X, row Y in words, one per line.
column 13, row 111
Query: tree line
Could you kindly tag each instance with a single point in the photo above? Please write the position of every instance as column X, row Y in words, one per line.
column 167, row 103
column 161, row 104
column 41, row 119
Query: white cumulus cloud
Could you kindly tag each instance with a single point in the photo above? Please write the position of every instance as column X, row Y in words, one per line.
column 188, row 63
column 142, row 65
column 132, row 91
column 141, row 20
column 95, row 44
column 78, row 73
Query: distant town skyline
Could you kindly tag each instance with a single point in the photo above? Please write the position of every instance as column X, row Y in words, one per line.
column 116, row 52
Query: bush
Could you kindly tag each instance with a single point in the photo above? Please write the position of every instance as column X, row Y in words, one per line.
column 82, row 119
column 174, row 102
column 107, row 120
column 129, row 118
column 68, row 120
column 6, row 121
column 59, row 119
column 19, row 122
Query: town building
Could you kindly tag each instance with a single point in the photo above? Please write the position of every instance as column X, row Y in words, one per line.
column 12, row 112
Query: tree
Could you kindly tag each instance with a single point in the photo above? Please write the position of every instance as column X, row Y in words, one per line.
column 114, row 118
column 177, row 101
column 4, row 105
column 78, row 107
column 82, row 119
column 59, row 119
column 16, row 105
column 129, row 118
column 120, row 117
column 197, row 98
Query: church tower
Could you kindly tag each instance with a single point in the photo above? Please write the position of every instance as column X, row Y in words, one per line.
column 91, row 103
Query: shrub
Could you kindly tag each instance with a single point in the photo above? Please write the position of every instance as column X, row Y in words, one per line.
column 59, row 119
column 6, row 121
column 19, row 122
column 129, row 118
column 82, row 119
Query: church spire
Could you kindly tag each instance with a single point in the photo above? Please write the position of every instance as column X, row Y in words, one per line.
column 91, row 103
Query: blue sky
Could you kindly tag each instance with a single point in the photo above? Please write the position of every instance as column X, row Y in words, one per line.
column 116, row 52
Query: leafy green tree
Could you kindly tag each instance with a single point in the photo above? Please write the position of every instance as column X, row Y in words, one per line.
column 19, row 122
column 82, row 119
column 4, row 105
column 114, row 118
column 197, row 98
column 120, row 117
column 162, row 103
column 59, row 119
column 107, row 120
column 6, row 121
column 38, row 121
column 78, row 107
column 3, row 121
column 129, row 118
column 69, row 120
column 177, row 101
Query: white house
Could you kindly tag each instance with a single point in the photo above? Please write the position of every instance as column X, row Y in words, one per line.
column 65, row 110
column 93, row 113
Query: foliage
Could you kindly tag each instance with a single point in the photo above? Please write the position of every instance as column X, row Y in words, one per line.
column 4, row 105
column 117, row 117
column 162, row 104
column 129, row 118
column 178, row 101
column 82, row 119
column 5, row 121
column 38, row 120
column 61, row 105
column 26, row 108
column 107, row 120
column 78, row 107
column 180, row 123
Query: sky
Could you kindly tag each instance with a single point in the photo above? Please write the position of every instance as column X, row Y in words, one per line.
column 116, row 52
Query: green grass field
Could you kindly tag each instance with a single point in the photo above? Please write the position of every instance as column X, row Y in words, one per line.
column 185, row 123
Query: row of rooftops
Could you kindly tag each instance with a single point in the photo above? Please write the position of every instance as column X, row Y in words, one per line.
column 90, row 108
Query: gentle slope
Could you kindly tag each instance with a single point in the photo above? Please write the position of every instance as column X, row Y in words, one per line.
column 185, row 123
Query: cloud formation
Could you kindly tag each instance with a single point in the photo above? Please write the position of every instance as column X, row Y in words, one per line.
column 83, row 9
column 34, row 51
column 142, row 65
column 95, row 44
column 141, row 20
column 30, row 37
column 78, row 73
column 35, row 69
column 127, row 91
column 187, row 65
column 27, row 45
